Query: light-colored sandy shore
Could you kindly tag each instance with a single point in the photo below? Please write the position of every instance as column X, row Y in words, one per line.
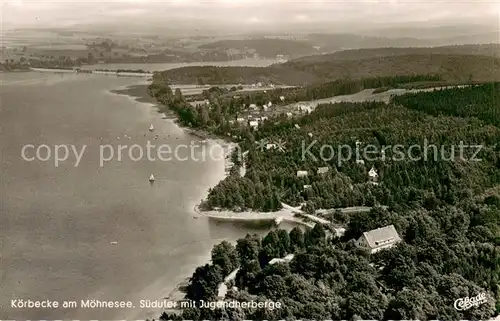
column 225, row 215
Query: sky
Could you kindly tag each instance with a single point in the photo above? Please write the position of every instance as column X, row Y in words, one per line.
column 245, row 13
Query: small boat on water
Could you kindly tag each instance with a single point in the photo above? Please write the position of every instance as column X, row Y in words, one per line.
column 152, row 178
column 151, row 128
column 114, row 243
column 278, row 220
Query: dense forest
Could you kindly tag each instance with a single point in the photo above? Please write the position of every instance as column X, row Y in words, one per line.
column 481, row 101
column 271, row 176
column 443, row 199
column 318, row 69
column 437, row 177
column 448, row 253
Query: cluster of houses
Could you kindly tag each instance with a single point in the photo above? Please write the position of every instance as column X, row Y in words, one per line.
column 372, row 173
column 282, row 58
column 254, row 118
column 320, row 171
column 304, row 108
column 260, row 84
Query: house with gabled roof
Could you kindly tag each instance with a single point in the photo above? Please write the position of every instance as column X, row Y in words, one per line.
column 373, row 176
column 373, row 173
column 379, row 239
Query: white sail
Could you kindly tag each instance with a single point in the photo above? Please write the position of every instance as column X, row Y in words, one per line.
column 151, row 178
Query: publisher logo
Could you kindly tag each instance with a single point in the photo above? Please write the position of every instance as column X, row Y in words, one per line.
column 466, row 303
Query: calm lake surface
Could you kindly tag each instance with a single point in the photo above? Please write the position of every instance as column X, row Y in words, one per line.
column 167, row 66
column 58, row 223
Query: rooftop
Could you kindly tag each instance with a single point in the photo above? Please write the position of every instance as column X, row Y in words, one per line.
column 382, row 236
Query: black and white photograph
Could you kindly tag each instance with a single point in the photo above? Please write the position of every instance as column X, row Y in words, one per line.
column 249, row 160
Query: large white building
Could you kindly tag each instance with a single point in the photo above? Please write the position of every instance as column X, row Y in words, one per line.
column 379, row 239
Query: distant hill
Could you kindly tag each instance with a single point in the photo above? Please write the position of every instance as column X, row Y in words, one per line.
column 268, row 48
column 336, row 42
column 492, row 50
column 312, row 44
column 319, row 69
column 450, row 67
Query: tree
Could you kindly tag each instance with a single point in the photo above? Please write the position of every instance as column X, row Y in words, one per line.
column 203, row 284
column 367, row 307
column 248, row 248
column 296, row 239
column 408, row 304
column 273, row 287
column 340, row 217
column 225, row 255
column 178, row 95
column 284, row 242
column 247, row 274
column 493, row 200
column 316, row 234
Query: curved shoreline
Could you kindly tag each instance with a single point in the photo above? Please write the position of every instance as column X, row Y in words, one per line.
column 285, row 214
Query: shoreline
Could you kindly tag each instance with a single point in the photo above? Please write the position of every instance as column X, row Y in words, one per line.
column 93, row 72
column 287, row 214
column 140, row 93
column 176, row 293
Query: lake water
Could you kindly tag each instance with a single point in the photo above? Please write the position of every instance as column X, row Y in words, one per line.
column 167, row 66
column 58, row 223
